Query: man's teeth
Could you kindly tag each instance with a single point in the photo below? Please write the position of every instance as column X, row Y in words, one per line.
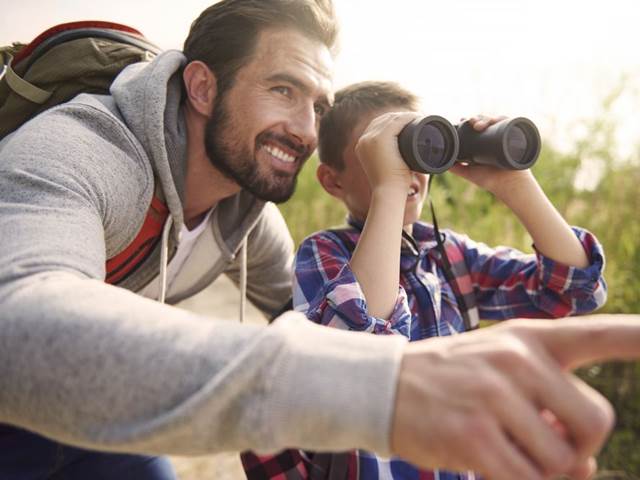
column 279, row 154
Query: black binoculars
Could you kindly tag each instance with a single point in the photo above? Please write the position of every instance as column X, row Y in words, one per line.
column 432, row 144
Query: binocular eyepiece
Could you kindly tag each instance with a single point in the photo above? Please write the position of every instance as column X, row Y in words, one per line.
column 432, row 144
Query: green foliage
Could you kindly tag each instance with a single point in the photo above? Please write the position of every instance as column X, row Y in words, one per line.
column 619, row 383
column 311, row 208
column 610, row 210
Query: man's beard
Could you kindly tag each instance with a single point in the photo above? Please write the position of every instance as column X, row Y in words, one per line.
column 227, row 153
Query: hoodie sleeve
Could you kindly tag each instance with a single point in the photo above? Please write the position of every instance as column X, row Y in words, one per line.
column 99, row 367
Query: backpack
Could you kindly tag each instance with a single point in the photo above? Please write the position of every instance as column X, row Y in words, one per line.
column 65, row 60
column 60, row 63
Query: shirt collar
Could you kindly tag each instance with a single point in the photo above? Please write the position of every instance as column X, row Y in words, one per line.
column 423, row 234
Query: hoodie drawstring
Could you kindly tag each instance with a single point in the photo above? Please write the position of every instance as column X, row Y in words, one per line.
column 243, row 278
column 164, row 258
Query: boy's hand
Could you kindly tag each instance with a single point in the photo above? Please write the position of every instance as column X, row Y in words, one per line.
column 500, row 400
column 376, row 259
column 378, row 152
column 498, row 181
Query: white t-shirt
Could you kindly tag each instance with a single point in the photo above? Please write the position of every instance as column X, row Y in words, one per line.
column 187, row 241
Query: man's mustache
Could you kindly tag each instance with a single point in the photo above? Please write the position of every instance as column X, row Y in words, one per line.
column 301, row 150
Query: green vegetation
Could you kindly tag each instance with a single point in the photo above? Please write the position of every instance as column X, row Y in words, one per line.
column 610, row 210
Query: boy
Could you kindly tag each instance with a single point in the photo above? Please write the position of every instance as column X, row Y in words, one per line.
column 348, row 278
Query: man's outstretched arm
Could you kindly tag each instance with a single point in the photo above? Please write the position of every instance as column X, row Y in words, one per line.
column 501, row 401
column 99, row 367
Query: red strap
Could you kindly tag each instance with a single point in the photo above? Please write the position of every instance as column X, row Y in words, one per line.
column 137, row 251
column 26, row 51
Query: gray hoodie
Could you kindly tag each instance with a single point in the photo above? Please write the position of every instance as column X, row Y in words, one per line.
column 101, row 367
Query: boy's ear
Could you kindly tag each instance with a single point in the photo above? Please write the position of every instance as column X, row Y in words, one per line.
column 330, row 180
column 201, row 87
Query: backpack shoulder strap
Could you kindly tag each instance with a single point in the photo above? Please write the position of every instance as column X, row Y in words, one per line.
column 124, row 263
column 26, row 90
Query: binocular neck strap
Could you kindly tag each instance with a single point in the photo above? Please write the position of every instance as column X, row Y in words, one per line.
column 470, row 318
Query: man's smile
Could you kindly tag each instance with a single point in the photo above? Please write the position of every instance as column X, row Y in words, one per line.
column 283, row 153
column 279, row 153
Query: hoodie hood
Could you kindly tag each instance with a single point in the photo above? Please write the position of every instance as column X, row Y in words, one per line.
column 148, row 96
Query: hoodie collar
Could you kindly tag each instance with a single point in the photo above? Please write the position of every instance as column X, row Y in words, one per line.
column 148, row 96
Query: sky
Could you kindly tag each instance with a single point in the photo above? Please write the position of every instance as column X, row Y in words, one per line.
column 552, row 61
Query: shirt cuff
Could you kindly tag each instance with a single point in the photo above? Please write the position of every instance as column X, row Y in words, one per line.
column 563, row 278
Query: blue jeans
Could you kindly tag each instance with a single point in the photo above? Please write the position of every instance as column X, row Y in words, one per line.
column 27, row 456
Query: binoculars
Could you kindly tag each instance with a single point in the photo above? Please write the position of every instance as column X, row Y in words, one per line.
column 432, row 144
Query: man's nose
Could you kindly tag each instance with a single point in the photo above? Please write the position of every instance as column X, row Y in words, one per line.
column 304, row 125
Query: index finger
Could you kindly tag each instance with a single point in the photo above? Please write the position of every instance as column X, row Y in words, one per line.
column 578, row 341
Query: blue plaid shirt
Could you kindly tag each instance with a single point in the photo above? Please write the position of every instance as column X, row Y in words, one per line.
column 506, row 284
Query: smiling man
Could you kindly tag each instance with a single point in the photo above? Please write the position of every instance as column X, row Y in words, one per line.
column 199, row 142
column 202, row 141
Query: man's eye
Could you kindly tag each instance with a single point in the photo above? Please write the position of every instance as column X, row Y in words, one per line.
column 320, row 109
column 286, row 91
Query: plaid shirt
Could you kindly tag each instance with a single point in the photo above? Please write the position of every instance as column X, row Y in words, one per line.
column 506, row 284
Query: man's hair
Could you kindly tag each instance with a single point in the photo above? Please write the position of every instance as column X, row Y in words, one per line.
column 350, row 105
column 224, row 36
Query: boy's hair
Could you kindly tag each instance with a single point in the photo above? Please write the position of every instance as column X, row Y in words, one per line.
column 350, row 105
column 224, row 36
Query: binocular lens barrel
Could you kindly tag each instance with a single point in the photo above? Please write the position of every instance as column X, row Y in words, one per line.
column 512, row 144
column 433, row 145
column 429, row 144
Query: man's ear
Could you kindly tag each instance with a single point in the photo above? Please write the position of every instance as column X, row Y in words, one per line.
column 200, row 86
column 329, row 178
